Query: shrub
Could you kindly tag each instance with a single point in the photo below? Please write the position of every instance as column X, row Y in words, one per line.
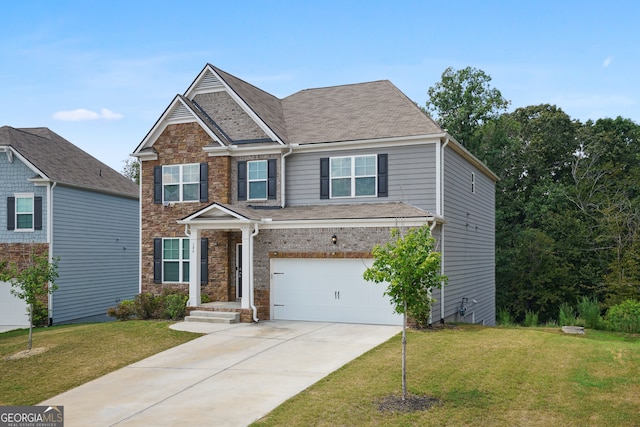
column 567, row 316
column 589, row 312
column 125, row 310
column 530, row 318
column 148, row 306
column 205, row 298
column 175, row 305
column 504, row 317
column 625, row 317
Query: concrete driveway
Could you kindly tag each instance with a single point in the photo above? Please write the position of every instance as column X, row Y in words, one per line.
column 232, row 376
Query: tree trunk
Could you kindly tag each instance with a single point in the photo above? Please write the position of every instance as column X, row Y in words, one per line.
column 404, row 352
column 30, row 327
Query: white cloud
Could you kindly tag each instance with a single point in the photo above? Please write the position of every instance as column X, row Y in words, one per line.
column 82, row 114
column 607, row 61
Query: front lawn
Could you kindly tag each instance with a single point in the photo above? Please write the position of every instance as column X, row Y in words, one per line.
column 76, row 354
column 482, row 377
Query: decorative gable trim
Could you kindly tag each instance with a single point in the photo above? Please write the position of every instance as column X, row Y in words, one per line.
column 205, row 83
column 177, row 112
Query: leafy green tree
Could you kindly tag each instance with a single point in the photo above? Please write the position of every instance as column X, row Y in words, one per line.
column 131, row 169
column 463, row 101
column 411, row 268
column 34, row 281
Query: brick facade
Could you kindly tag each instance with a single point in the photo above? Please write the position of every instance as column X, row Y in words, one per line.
column 308, row 243
column 182, row 144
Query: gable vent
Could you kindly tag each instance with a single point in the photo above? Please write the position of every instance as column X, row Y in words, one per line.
column 180, row 113
column 209, row 83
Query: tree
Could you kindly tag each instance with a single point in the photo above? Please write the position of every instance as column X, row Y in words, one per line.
column 131, row 169
column 463, row 101
column 411, row 268
column 32, row 282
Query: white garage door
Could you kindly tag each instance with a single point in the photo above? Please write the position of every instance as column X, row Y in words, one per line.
column 330, row 290
column 13, row 310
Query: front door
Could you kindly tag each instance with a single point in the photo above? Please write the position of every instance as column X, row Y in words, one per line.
column 238, row 271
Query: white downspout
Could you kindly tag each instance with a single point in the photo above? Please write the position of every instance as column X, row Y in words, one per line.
column 282, row 176
column 442, row 259
column 432, row 226
column 50, row 188
column 254, row 233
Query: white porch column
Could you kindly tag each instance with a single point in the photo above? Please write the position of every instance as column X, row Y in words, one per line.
column 247, row 268
column 194, row 267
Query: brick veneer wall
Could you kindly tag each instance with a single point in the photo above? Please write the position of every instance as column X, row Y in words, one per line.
column 182, row 144
column 308, row 243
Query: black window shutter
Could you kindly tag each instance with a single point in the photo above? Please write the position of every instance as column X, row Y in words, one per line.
column 157, row 260
column 242, row 180
column 37, row 213
column 157, row 184
column 272, row 180
column 324, row 178
column 383, row 175
column 11, row 213
column 204, row 261
column 204, row 182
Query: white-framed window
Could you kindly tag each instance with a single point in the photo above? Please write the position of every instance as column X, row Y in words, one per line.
column 354, row 176
column 473, row 182
column 257, row 179
column 24, row 212
column 175, row 260
column 181, row 183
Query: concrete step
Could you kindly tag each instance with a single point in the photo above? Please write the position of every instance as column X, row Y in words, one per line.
column 213, row 317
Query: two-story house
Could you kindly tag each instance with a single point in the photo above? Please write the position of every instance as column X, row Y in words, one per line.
column 277, row 203
column 56, row 198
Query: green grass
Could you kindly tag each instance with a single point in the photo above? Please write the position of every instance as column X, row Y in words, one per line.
column 76, row 354
column 483, row 376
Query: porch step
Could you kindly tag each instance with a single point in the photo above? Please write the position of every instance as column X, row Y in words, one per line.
column 213, row 317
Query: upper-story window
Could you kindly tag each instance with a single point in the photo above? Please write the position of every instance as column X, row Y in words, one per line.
column 24, row 212
column 180, row 183
column 257, row 179
column 354, row 176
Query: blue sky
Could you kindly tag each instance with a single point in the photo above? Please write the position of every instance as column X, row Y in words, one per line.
column 101, row 73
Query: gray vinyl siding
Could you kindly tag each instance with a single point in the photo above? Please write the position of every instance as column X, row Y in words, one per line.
column 96, row 237
column 14, row 178
column 411, row 176
column 468, row 241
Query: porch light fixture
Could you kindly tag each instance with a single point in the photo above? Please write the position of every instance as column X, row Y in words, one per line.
column 334, row 239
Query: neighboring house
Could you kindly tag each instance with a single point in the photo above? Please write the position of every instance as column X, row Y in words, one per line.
column 277, row 203
column 56, row 198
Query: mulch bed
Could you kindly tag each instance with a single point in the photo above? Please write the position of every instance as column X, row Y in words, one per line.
column 412, row 403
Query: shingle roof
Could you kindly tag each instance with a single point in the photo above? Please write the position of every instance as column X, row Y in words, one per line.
column 354, row 112
column 340, row 113
column 265, row 105
column 63, row 162
column 390, row 210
